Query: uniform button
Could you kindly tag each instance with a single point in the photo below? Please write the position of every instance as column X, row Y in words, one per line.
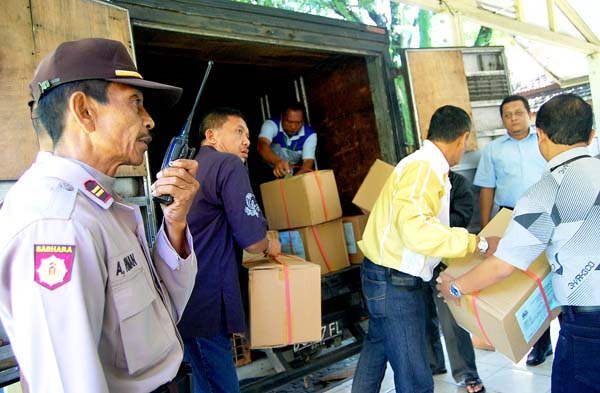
column 66, row 186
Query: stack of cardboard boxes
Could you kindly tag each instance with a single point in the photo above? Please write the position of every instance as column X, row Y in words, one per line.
column 306, row 211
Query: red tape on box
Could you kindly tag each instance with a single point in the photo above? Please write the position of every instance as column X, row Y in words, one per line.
column 321, row 248
column 538, row 282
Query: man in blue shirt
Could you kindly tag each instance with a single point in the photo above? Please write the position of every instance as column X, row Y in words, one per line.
column 508, row 166
column 224, row 220
column 287, row 141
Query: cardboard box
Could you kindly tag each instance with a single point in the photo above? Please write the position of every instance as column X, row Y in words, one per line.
column 285, row 302
column 512, row 314
column 300, row 201
column 323, row 244
column 372, row 184
column 354, row 226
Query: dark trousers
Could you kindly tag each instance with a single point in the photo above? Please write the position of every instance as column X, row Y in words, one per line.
column 577, row 358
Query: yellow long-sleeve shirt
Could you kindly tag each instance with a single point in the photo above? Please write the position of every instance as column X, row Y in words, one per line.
column 408, row 229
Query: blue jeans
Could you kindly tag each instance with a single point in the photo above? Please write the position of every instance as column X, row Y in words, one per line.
column 458, row 341
column 576, row 366
column 395, row 303
column 213, row 369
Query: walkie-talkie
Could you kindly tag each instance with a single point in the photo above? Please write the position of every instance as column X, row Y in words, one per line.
column 178, row 148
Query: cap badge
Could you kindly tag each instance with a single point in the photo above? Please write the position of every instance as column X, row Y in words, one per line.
column 128, row 73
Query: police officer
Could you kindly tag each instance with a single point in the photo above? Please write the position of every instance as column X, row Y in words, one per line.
column 86, row 304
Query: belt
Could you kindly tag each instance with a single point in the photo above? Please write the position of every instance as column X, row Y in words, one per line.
column 580, row 309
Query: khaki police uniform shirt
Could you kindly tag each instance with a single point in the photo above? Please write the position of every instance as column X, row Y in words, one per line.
column 87, row 306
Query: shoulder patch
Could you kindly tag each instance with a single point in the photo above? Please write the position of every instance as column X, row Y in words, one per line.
column 53, row 264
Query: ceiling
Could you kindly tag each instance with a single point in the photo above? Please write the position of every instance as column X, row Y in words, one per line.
column 558, row 34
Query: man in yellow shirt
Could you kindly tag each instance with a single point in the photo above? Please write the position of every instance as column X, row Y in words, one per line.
column 405, row 238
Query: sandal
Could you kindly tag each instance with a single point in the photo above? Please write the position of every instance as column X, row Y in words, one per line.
column 474, row 383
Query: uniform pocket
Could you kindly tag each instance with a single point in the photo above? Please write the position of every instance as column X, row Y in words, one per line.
column 145, row 340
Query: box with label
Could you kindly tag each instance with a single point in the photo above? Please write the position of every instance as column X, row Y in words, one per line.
column 323, row 244
column 302, row 200
column 354, row 227
column 512, row 314
column 372, row 184
column 285, row 301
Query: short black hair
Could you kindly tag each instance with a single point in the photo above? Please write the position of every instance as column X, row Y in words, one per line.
column 53, row 105
column 294, row 106
column 567, row 119
column 448, row 123
column 512, row 98
column 216, row 117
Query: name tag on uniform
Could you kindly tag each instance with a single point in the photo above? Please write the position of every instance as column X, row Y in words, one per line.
column 53, row 264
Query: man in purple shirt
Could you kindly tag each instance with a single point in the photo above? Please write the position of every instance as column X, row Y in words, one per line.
column 224, row 220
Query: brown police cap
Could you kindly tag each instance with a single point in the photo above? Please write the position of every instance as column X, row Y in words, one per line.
column 95, row 58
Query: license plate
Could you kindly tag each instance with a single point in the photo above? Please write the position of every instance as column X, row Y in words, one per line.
column 328, row 331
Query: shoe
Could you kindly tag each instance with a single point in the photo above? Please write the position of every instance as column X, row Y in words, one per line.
column 474, row 385
column 438, row 371
column 537, row 355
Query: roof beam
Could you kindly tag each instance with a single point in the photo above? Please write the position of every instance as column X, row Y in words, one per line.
column 551, row 18
column 577, row 21
column 489, row 19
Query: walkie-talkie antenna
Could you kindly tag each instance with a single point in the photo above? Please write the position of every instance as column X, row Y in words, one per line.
column 188, row 123
column 178, row 148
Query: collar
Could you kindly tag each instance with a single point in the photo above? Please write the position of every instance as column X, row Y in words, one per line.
column 435, row 153
column 96, row 186
column 565, row 156
column 290, row 138
column 532, row 134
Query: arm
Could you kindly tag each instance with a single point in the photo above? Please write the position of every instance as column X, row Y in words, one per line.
column 307, row 166
column 179, row 180
column 486, row 203
column 173, row 254
column 308, row 155
column 485, row 178
column 48, row 326
column 280, row 166
column 268, row 246
column 486, row 274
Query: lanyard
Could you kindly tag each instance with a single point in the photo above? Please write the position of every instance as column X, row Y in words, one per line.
column 569, row 161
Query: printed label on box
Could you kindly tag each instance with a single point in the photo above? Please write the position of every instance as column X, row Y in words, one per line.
column 532, row 314
column 291, row 243
column 350, row 240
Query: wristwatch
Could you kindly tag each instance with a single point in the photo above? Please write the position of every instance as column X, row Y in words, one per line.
column 482, row 245
column 454, row 290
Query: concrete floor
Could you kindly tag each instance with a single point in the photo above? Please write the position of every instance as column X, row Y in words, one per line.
column 499, row 375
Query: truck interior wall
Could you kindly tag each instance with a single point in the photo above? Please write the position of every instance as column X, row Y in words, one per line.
column 337, row 89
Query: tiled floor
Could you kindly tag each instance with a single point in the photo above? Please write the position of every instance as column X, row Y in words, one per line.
column 498, row 374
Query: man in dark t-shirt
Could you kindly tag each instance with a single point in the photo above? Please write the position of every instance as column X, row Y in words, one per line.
column 224, row 220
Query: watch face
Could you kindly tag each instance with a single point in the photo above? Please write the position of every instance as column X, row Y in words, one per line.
column 454, row 291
